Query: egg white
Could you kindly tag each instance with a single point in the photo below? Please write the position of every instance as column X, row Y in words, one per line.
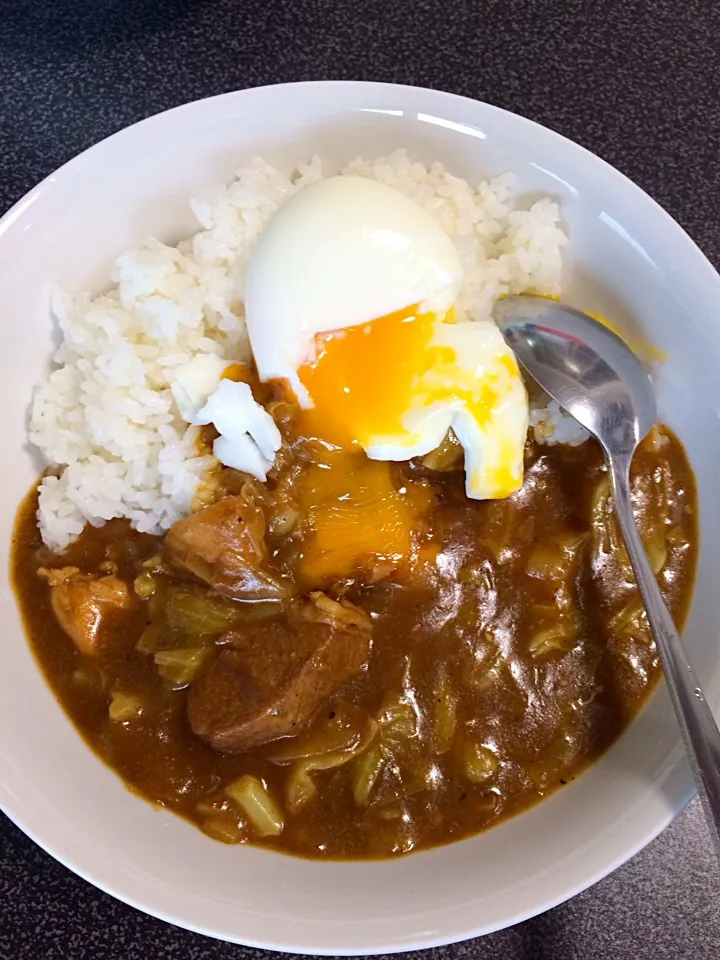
column 497, row 445
column 341, row 252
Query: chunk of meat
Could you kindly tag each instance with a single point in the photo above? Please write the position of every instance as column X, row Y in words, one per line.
column 83, row 603
column 268, row 681
column 224, row 545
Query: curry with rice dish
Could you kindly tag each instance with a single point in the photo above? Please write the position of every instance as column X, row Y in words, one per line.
column 311, row 565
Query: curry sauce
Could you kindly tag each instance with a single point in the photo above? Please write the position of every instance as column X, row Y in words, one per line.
column 508, row 655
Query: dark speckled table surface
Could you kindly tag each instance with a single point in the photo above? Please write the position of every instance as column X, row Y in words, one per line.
column 636, row 81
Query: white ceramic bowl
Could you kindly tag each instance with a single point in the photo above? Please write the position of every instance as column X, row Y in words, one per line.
column 627, row 259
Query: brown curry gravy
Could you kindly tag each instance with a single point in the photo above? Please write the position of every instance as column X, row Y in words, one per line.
column 546, row 656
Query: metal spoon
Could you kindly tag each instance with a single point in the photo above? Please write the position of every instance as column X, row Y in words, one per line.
column 595, row 377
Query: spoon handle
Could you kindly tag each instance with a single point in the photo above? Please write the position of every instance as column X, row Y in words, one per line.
column 697, row 725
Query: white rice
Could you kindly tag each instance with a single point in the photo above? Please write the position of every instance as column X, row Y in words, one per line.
column 550, row 424
column 106, row 420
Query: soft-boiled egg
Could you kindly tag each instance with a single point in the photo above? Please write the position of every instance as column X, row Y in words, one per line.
column 349, row 301
column 342, row 252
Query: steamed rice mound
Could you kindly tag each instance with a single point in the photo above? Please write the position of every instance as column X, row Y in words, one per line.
column 106, row 420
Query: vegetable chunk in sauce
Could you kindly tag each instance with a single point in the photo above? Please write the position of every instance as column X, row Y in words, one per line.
column 410, row 703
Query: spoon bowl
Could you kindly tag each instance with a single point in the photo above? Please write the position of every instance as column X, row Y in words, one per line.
column 583, row 365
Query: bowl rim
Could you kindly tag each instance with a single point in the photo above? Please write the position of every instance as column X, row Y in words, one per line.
column 50, row 844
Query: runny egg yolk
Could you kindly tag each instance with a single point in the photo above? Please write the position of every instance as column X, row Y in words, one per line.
column 358, row 521
column 363, row 382
column 365, row 379
column 361, row 378
column 640, row 346
column 360, row 382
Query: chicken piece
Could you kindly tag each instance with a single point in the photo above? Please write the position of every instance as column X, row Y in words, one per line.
column 82, row 602
column 268, row 681
column 224, row 545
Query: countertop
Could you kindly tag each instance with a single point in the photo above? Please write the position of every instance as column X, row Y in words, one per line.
column 636, row 81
